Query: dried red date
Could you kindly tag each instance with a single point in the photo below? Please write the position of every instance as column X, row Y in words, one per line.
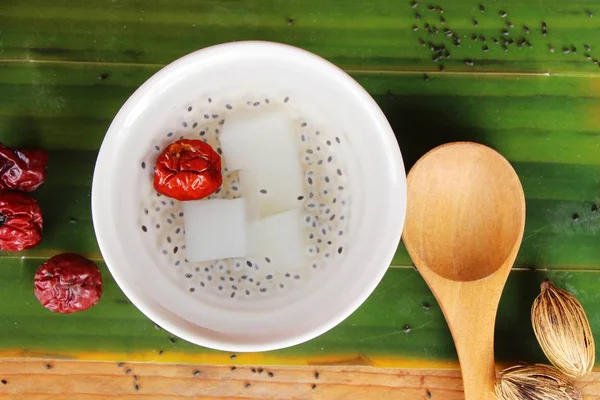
column 23, row 170
column 20, row 222
column 188, row 170
column 68, row 283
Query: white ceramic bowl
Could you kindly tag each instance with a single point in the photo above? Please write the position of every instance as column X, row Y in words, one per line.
column 377, row 188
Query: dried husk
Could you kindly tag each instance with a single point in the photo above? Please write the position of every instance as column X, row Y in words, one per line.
column 535, row 382
column 563, row 331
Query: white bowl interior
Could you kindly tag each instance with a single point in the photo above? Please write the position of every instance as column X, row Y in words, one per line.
column 331, row 99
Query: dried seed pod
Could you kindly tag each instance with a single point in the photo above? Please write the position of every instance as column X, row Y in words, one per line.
column 535, row 382
column 563, row 331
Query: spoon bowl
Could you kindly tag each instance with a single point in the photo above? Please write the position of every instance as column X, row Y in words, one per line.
column 464, row 225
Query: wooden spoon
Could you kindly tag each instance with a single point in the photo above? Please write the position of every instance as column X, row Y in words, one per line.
column 464, row 226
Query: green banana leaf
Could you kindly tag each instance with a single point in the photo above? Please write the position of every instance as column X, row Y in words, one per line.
column 66, row 67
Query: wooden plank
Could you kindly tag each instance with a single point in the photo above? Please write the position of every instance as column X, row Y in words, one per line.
column 362, row 34
column 30, row 379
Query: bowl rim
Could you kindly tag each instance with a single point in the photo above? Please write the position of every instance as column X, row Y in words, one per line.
column 103, row 229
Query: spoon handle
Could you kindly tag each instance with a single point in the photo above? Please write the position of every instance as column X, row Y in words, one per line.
column 470, row 310
column 473, row 334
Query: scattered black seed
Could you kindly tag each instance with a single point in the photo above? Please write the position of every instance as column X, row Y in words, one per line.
column 426, row 77
column 575, row 217
column 160, row 352
column 505, row 32
column 566, row 50
column 426, row 306
column 496, row 41
column 474, row 37
column 48, row 366
column 482, row 38
column 510, row 24
column 431, row 8
column 526, row 29
column 121, row 364
column 428, row 393
column 407, row 328
column 588, row 57
column 128, row 371
column 286, row 99
column 192, row 290
column 248, row 263
column 196, row 373
column 417, row 16
column 552, row 49
column 503, row 14
column 528, row 43
column 414, row 4
column 442, row 20
column 270, row 374
column 475, row 23
column 485, row 48
column 573, row 49
column 185, row 124
column 316, row 375
column 135, row 378
column 442, row 68
column 470, row 63
column 175, row 250
column 157, row 148
column 521, row 43
column 594, row 207
column 481, row 8
column 587, row 48
column 136, row 387
column 595, row 61
column 247, row 386
column 172, row 340
column 313, row 387
column 263, row 191
column 448, row 32
column 233, row 368
column 589, row 14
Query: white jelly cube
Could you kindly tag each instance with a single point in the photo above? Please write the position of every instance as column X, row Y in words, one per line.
column 281, row 238
column 215, row 229
column 261, row 145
